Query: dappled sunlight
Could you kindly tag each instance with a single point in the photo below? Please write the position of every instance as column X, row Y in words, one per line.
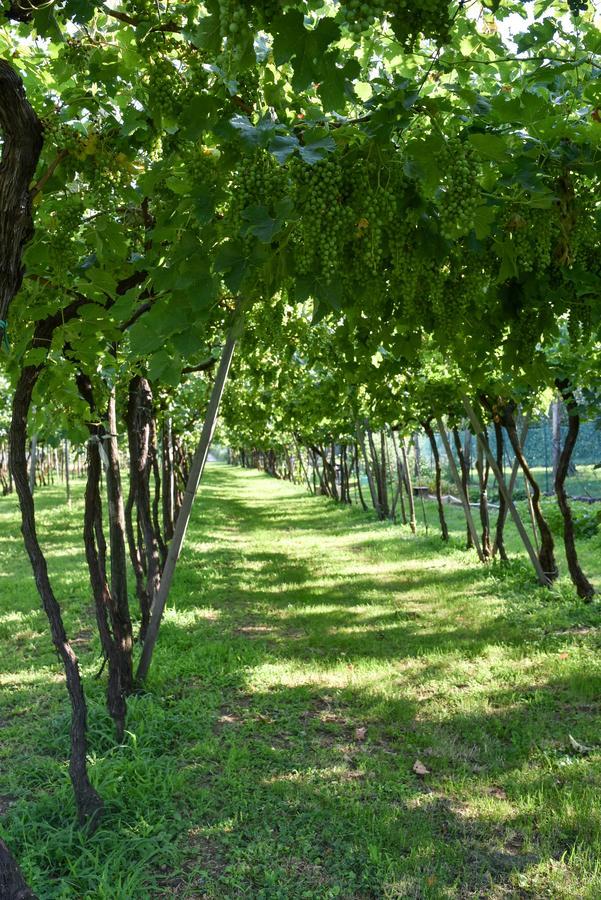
column 307, row 658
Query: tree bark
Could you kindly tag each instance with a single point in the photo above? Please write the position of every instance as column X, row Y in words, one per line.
column 168, row 476
column 546, row 553
column 112, row 614
column 368, row 470
column 89, row 804
column 410, row 497
column 102, row 596
column 555, row 435
column 139, row 431
column 401, row 482
column 584, row 588
column 12, row 884
column 444, row 530
column 499, row 542
column 21, row 133
column 478, row 428
column 464, row 478
column 358, row 474
column 483, row 471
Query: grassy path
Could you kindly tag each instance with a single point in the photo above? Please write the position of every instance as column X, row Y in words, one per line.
column 309, row 658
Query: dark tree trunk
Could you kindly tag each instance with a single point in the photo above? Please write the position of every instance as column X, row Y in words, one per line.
column 89, row 804
column 384, row 474
column 465, row 478
column 21, row 133
column 112, row 616
column 168, row 479
column 556, row 435
column 444, row 531
column 502, row 516
column 139, row 430
column 409, row 484
column 546, row 553
column 358, row 474
column 483, row 471
column 12, row 883
column 156, row 498
column 401, row 483
column 116, row 516
column 583, row 586
column 102, row 596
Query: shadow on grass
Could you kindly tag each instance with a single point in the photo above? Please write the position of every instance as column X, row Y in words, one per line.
column 233, row 783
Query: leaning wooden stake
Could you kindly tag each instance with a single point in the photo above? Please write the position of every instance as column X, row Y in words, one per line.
column 479, row 428
column 196, row 470
column 462, row 495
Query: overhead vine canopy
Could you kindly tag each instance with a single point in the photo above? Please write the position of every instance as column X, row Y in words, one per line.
column 431, row 165
column 403, row 200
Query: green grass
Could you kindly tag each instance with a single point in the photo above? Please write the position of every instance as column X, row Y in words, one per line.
column 308, row 658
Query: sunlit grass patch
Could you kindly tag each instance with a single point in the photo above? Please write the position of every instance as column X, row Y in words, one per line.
column 308, row 657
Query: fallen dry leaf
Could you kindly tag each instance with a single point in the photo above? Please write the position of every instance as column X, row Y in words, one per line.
column 497, row 792
column 564, row 655
column 420, row 769
column 360, row 733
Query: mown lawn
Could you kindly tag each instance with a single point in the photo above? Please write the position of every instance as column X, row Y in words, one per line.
column 308, row 659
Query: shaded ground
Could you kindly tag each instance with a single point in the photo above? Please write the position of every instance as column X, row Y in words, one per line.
column 309, row 658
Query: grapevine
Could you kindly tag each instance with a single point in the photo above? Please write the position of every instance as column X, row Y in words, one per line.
column 461, row 195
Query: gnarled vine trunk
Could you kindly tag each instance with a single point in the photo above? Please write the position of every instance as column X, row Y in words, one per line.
column 89, row 804
column 546, row 553
column 444, row 531
column 465, row 477
column 112, row 612
column 12, row 884
column 583, row 586
column 499, row 542
column 140, row 432
column 21, row 133
column 483, row 470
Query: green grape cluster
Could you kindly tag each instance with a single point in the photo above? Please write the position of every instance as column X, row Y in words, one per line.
column 196, row 76
column 62, row 135
column 141, row 10
column 580, row 320
column 407, row 20
column 64, row 222
column 463, row 286
column 234, row 19
column 326, row 219
column 260, row 183
column 164, row 87
column 375, row 191
column 534, row 234
column 76, row 54
column 71, row 213
column 248, row 87
column 359, row 15
column 460, row 197
column 267, row 10
column 109, row 172
column 201, row 166
column 526, row 332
